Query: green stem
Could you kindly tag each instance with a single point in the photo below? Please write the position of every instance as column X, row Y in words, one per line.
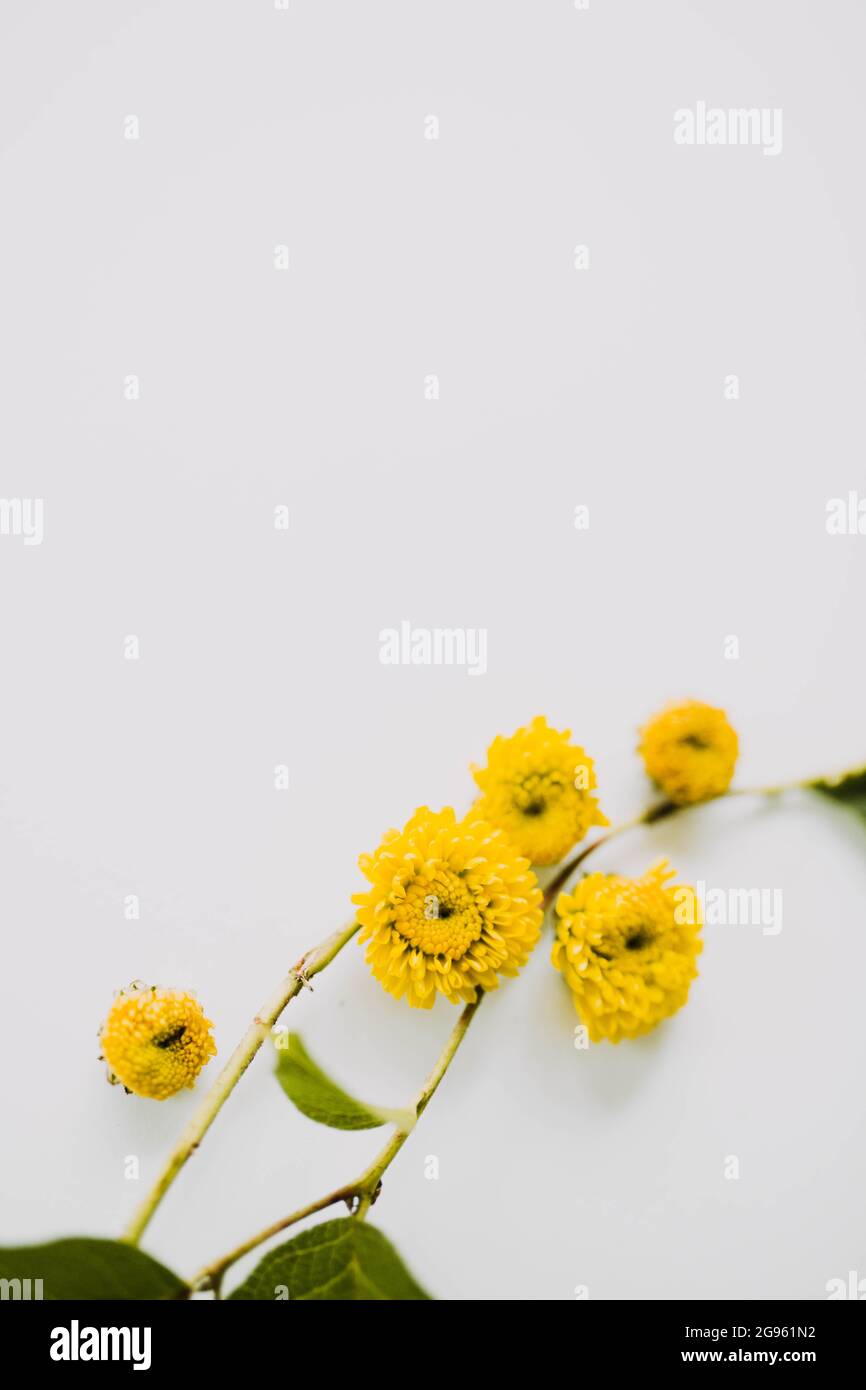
column 310, row 964
column 660, row 811
column 211, row 1276
column 365, row 1188
column 369, row 1181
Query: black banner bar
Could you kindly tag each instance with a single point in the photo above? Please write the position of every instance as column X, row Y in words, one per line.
column 204, row 1336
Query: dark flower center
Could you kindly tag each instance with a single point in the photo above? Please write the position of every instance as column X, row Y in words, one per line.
column 535, row 808
column 638, row 940
column 169, row 1039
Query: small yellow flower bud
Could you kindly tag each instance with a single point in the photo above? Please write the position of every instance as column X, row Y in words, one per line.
column 627, row 950
column 690, row 751
column 156, row 1041
column 538, row 787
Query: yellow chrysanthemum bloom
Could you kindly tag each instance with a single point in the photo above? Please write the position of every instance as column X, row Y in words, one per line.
column 451, row 907
column 690, row 751
column 627, row 949
column 537, row 787
column 156, row 1041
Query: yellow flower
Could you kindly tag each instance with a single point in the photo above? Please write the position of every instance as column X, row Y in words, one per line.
column 537, row 787
column 690, row 751
column 627, row 950
column 451, row 908
column 156, row 1041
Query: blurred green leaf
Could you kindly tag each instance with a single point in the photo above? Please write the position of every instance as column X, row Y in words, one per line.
column 344, row 1260
column 849, row 789
column 87, row 1268
column 320, row 1098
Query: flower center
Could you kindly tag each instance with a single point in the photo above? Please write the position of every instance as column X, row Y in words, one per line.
column 532, row 795
column 621, row 938
column 438, row 915
column 638, row 939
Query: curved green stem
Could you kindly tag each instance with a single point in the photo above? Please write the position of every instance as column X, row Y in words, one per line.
column 211, row 1276
column 369, row 1181
column 660, row 811
column 649, row 817
column 310, row 964
column 365, row 1189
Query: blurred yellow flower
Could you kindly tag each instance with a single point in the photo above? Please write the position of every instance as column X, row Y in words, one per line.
column 156, row 1041
column 537, row 787
column 690, row 750
column 451, row 907
column 627, row 950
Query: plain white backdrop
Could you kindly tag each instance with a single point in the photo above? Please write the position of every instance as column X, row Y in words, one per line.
column 558, row 388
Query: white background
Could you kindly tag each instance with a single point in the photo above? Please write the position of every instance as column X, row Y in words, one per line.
column 604, row 387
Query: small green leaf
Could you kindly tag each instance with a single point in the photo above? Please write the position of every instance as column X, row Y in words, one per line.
column 86, row 1268
column 849, row 789
column 319, row 1098
column 344, row 1260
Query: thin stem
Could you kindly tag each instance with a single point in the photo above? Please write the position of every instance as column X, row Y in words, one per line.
column 310, row 964
column 660, row 811
column 369, row 1181
column 568, row 869
column 365, row 1188
column 211, row 1276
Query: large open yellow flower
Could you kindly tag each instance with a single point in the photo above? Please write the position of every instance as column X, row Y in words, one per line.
column 451, row 907
column 156, row 1041
column 537, row 787
column 627, row 949
column 690, row 751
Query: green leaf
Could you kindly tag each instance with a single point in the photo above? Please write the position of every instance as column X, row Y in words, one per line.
column 342, row 1260
column 86, row 1268
column 849, row 789
column 319, row 1098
